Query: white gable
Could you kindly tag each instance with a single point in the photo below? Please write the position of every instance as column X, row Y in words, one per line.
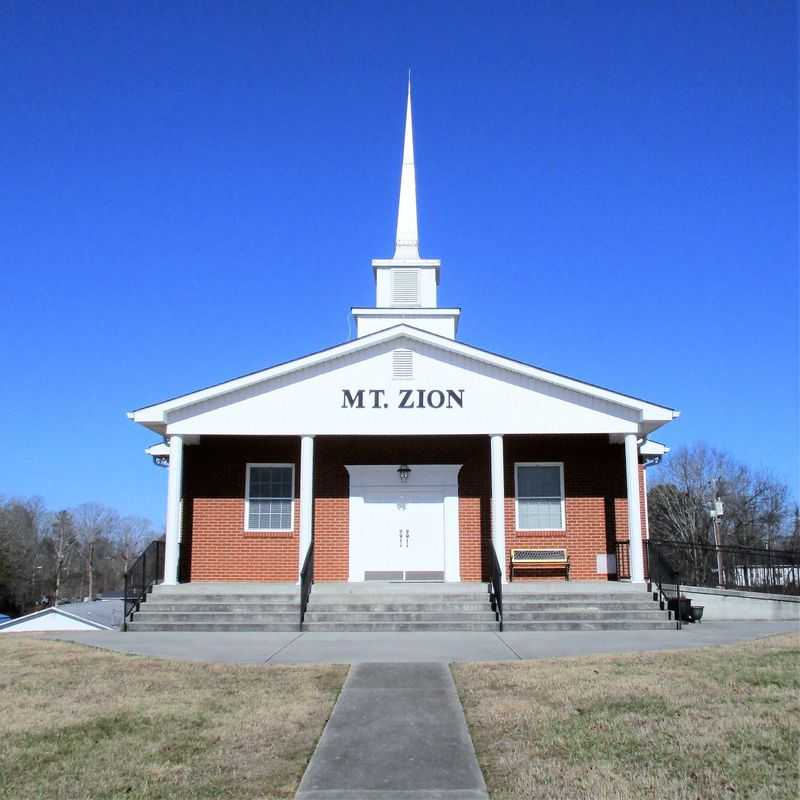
column 50, row 619
column 359, row 392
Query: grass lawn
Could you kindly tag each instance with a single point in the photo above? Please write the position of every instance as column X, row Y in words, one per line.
column 720, row 722
column 78, row 723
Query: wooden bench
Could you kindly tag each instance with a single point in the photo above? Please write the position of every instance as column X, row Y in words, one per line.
column 529, row 558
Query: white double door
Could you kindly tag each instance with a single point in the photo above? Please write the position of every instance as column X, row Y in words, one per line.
column 402, row 536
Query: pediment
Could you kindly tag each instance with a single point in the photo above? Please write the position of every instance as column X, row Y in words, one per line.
column 354, row 389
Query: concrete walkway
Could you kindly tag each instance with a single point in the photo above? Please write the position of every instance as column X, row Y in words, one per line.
column 354, row 648
column 397, row 731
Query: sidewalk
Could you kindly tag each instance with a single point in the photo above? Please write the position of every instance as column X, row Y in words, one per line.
column 397, row 731
column 354, row 648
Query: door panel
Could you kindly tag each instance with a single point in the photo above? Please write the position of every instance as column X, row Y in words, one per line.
column 402, row 536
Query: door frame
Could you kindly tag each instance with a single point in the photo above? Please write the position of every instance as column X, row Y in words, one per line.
column 429, row 478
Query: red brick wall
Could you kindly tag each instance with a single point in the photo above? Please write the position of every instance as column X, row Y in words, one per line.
column 216, row 547
column 595, row 504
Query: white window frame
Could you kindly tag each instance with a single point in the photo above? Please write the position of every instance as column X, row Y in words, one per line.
column 247, row 527
column 560, row 465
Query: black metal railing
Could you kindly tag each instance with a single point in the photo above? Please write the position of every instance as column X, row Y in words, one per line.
column 146, row 571
column 623, row 553
column 623, row 560
column 751, row 569
column 306, row 582
column 666, row 579
column 496, row 588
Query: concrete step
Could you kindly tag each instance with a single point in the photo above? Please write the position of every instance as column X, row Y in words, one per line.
column 644, row 605
column 222, row 618
column 587, row 625
column 186, row 597
column 386, row 607
column 192, row 627
column 399, row 616
column 442, row 625
column 581, row 614
column 577, row 597
column 240, row 608
column 393, row 597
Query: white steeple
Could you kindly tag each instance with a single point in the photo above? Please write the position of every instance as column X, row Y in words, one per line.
column 407, row 245
column 406, row 284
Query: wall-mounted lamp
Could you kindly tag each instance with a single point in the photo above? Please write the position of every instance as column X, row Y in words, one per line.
column 404, row 471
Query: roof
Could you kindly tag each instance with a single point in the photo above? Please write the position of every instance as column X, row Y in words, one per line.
column 101, row 615
column 154, row 416
column 653, row 448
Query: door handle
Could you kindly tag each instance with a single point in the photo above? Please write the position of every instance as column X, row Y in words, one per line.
column 406, row 537
column 401, row 537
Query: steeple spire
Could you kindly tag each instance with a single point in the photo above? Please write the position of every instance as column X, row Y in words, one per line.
column 407, row 245
column 405, row 284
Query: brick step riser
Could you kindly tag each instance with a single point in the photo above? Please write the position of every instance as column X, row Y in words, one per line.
column 192, row 627
column 568, row 625
column 282, row 619
column 238, row 608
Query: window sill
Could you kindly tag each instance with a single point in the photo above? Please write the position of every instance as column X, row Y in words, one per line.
column 548, row 531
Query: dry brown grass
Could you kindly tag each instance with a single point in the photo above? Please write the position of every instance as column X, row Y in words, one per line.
column 78, row 723
column 719, row 722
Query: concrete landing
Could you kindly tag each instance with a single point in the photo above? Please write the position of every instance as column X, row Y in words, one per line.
column 396, row 732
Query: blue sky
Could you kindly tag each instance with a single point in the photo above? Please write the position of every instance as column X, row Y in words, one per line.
column 192, row 192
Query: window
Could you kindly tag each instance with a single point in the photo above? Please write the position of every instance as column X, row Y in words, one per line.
column 269, row 495
column 540, row 496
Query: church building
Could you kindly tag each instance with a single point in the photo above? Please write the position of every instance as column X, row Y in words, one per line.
column 404, row 454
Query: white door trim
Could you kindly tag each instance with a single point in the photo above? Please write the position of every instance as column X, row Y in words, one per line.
column 430, row 478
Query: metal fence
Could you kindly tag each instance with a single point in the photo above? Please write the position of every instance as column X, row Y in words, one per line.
column 748, row 569
column 146, row 571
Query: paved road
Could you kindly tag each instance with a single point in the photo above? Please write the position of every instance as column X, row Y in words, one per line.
column 354, row 648
column 397, row 731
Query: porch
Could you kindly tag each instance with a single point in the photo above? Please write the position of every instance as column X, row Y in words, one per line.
column 256, row 509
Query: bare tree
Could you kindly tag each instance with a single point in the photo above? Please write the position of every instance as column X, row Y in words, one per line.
column 64, row 544
column 94, row 523
column 22, row 526
column 131, row 536
column 757, row 512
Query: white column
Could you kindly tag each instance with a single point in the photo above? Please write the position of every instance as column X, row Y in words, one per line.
column 173, row 533
column 306, row 496
column 498, row 503
column 634, row 508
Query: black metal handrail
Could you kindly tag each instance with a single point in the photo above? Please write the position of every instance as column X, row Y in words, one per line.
column 306, row 581
column 146, row 571
column 751, row 569
column 496, row 588
column 623, row 547
column 623, row 553
column 667, row 580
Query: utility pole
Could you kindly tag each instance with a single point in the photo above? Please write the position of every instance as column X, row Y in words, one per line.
column 716, row 511
column 91, row 570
